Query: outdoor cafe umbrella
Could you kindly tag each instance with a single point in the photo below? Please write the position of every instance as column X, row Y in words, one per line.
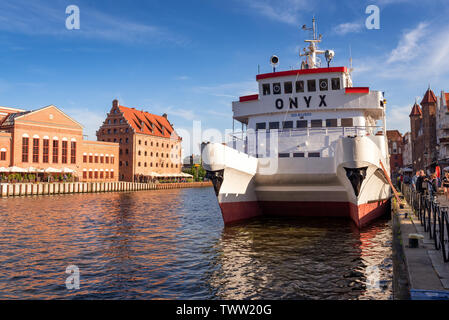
column 52, row 170
column 68, row 170
column 17, row 169
column 3, row 169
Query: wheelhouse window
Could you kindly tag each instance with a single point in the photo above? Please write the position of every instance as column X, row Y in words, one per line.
column 331, row 123
column 288, row 87
column 261, row 126
column 347, row 122
column 287, row 124
column 284, row 155
column 299, row 155
column 311, row 85
column 266, row 89
column 274, row 125
column 314, row 154
column 45, row 150
column 276, row 88
column 324, row 85
column 316, row 123
column 55, row 151
column 335, row 83
column 301, row 124
column 300, row 86
column 25, row 148
column 64, row 151
column 35, row 150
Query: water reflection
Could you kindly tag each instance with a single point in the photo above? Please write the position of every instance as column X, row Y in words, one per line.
column 171, row 244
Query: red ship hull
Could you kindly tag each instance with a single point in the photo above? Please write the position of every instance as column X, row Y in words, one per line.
column 361, row 215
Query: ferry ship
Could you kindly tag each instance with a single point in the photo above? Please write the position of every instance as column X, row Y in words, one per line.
column 311, row 144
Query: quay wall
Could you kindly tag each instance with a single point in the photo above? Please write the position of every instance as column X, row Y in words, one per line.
column 35, row 189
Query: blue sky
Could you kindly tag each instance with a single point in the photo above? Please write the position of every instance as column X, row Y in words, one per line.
column 191, row 58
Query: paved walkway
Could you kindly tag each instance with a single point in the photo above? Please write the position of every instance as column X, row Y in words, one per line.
column 426, row 268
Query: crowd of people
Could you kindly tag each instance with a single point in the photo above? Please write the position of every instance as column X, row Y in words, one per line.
column 429, row 184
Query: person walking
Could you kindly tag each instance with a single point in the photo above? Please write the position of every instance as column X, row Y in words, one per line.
column 445, row 184
column 432, row 185
column 415, row 177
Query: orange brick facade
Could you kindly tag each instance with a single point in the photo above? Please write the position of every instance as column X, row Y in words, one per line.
column 148, row 143
column 48, row 138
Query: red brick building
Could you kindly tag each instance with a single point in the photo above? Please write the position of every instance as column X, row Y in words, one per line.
column 423, row 132
column 149, row 145
column 395, row 146
column 48, row 138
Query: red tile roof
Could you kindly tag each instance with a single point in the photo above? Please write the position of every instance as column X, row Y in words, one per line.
column 429, row 97
column 416, row 111
column 147, row 123
column 393, row 135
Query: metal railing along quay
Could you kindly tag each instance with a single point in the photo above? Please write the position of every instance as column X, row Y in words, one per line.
column 433, row 217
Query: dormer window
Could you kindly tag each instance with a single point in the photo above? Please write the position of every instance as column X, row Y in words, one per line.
column 311, row 85
column 288, row 88
column 335, row 83
column 300, row 86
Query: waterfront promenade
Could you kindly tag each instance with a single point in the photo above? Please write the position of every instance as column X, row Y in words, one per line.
column 427, row 273
column 34, row 189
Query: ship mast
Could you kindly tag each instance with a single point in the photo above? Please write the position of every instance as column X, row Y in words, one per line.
column 312, row 50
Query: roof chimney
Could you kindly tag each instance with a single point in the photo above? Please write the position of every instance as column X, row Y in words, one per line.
column 115, row 103
column 165, row 115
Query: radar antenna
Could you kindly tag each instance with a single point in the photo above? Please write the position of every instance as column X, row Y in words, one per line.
column 311, row 52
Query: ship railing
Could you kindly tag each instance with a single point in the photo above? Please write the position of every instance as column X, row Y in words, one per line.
column 240, row 140
column 433, row 216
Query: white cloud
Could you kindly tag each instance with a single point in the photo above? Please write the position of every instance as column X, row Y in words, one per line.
column 348, row 27
column 408, row 47
column 398, row 118
column 229, row 90
column 90, row 120
column 287, row 11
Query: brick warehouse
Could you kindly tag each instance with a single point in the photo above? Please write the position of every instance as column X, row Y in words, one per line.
column 48, row 138
column 149, row 145
column 395, row 146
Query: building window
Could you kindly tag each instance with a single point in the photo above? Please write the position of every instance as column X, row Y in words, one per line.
column 347, row 122
column 145, row 164
column 107, row 174
column 96, row 174
column 127, row 151
column 274, row 125
column 288, row 87
column 276, row 88
column 324, row 85
column 335, row 83
column 46, row 149
column 90, row 174
column 287, row 124
column 35, row 150
column 106, row 159
column 316, row 123
column 85, row 158
column 112, row 159
column 96, row 159
column 140, row 142
column 311, row 85
column 301, row 124
column 3, row 155
column 299, row 86
column 25, row 147
column 64, row 151
column 139, row 153
column 55, row 151
column 138, row 164
column 112, row 174
column 91, row 158
column 73, row 152
column 101, row 174
column 261, row 126
column 266, row 89
column 101, row 159
column 84, row 174
column 331, row 123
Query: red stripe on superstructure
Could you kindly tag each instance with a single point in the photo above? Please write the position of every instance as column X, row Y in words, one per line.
column 300, row 72
column 249, row 98
column 357, row 90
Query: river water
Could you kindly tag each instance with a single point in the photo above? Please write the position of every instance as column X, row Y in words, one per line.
column 171, row 244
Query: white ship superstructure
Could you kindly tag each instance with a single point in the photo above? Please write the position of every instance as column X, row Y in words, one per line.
column 313, row 145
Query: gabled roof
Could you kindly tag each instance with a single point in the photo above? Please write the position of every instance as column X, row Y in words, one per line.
column 429, row 97
column 147, row 123
column 393, row 135
column 416, row 111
